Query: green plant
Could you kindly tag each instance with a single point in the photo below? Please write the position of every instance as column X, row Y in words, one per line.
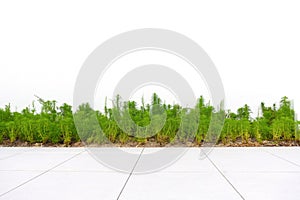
column 56, row 124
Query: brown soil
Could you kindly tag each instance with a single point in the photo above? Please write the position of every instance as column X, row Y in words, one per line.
column 153, row 143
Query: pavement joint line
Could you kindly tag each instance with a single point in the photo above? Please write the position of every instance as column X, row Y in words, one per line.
column 41, row 174
column 162, row 172
column 15, row 154
column 282, row 158
column 138, row 159
column 224, row 176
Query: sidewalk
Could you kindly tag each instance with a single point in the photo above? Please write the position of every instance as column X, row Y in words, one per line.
column 227, row 173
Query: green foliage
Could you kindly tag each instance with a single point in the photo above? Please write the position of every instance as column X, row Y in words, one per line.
column 163, row 123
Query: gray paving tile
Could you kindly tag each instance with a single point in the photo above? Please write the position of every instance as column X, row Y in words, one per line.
column 86, row 161
column 11, row 179
column 188, row 178
column 290, row 154
column 38, row 160
column 59, row 173
column 189, row 162
column 83, row 162
column 9, row 152
column 266, row 185
column 243, row 159
column 71, row 185
column 117, row 158
column 257, row 174
column 174, row 185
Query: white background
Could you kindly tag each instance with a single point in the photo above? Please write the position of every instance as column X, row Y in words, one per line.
column 255, row 45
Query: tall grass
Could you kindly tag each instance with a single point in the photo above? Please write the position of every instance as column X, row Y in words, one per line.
column 127, row 123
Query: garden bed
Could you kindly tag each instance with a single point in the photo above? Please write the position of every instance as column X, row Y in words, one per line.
column 152, row 143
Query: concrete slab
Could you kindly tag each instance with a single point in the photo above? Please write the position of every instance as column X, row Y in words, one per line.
column 267, row 185
column 189, row 162
column 227, row 173
column 12, row 179
column 290, row 154
column 12, row 151
column 257, row 173
column 40, row 159
column 241, row 159
column 117, row 158
column 178, row 186
column 83, row 162
column 71, row 185
column 86, row 162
